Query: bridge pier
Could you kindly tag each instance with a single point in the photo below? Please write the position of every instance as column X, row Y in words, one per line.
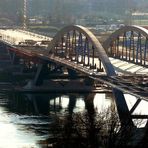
column 122, row 108
column 89, row 104
column 3, row 47
column 41, row 74
column 4, row 56
column 15, row 59
column 72, row 103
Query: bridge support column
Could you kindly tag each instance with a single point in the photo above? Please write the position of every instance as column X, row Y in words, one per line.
column 89, row 104
column 122, row 108
column 91, row 117
column 5, row 59
column 2, row 47
column 41, row 74
column 15, row 59
column 72, row 73
column 72, row 103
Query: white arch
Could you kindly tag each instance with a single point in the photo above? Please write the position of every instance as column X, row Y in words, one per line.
column 120, row 31
column 98, row 47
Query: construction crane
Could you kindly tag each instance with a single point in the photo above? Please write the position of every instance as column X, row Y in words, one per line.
column 25, row 15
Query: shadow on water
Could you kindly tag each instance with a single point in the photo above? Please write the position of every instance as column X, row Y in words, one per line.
column 41, row 120
column 37, row 114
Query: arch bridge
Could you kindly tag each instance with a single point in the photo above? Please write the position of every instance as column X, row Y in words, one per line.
column 77, row 49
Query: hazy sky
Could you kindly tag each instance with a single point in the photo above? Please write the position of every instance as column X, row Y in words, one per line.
column 72, row 7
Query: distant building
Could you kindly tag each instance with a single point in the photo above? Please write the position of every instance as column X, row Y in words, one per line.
column 35, row 21
column 139, row 18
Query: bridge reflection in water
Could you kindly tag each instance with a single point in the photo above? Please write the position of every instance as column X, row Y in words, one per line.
column 26, row 120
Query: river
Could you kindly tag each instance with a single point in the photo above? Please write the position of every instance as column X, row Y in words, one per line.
column 26, row 119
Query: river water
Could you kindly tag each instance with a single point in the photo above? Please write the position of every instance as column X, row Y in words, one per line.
column 26, row 119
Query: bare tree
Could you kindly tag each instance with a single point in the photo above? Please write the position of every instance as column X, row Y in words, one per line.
column 100, row 130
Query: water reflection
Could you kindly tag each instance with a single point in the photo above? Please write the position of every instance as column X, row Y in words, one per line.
column 12, row 135
column 25, row 120
column 141, row 109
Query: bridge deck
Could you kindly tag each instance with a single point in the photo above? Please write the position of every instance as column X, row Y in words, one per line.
column 128, row 68
column 16, row 36
column 136, row 85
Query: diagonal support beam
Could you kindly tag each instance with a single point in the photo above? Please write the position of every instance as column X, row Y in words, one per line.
column 122, row 108
column 135, row 106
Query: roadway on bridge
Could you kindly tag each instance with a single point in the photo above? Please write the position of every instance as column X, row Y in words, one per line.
column 128, row 68
column 15, row 36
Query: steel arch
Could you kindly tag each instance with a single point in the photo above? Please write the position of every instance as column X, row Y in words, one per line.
column 120, row 31
column 129, row 43
column 96, row 44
